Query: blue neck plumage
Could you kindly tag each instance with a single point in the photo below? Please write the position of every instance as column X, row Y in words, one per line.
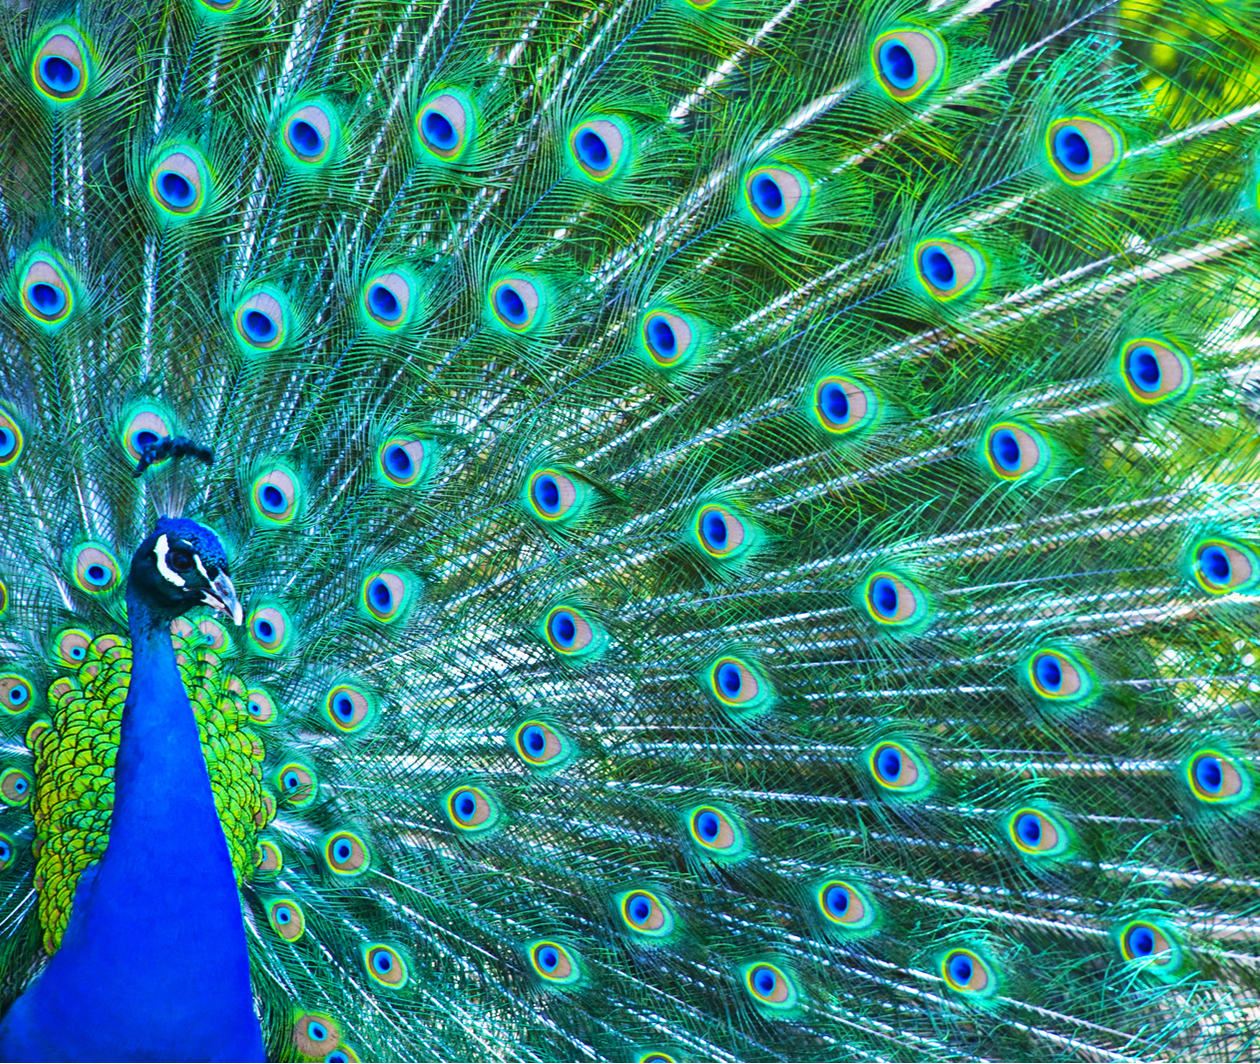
column 155, row 952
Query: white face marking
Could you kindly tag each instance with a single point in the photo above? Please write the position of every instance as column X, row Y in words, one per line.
column 159, row 551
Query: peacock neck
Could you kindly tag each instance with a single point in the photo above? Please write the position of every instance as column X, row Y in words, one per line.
column 155, row 949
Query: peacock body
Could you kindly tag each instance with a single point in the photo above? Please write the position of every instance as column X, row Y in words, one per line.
column 743, row 523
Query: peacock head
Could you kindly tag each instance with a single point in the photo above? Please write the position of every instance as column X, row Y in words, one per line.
column 182, row 564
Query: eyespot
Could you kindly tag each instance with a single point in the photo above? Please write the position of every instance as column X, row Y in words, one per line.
column 7, row 851
column 554, row 496
column 1014, row 452
column 1149, row 943
column 315, row 1034
column 1056, row 675
column 16, row 692
column 841, row 405
column 966, row 972
column 907, row 62
column 894, row 600
column 260, row 706
column 178, row 182
column 349, row 708
column 297, row 784
column 342, row 1055
column 1221, row 566
column 403, row 461
column 670, row 339
column 386, row 966
column 769, row 985
column 1154, row 370
column 269, row 859
column 715, row 831
column 346, row 854
column 739, row 684
column 96, row 571
column 515, row 303
column 15, row 786
column 11, row 441
column 59, row 68
column 600, row 147
column 570, row 632
column 269, row 629
column 775, row 195
column 471, row 809
column 386, row 595
column 553, row 962
column 645, row 913
column 212, row 633
column 538, row 743
column 446, row 124
column 274, row 497
column 947, row 269
column 387, row 299
column 287, row 919
column 896, row 767
column 47, row 294
column 310, row 133
column 261, row 321
column 1082, row 150
column 142, row 427
column 846, row 906
column 720, row 533
column 1037, row 834
column 1213, row 776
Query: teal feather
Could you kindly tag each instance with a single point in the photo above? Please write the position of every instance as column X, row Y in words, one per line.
column 745, row 516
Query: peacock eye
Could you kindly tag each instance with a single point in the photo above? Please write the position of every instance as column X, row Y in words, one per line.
column 180, row 559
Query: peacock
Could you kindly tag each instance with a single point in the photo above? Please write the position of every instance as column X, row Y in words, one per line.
column 630, row 530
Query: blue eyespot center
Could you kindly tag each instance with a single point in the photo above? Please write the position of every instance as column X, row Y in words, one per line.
column 767, row 196
column 715, row 530
column 383, row 302
column 97, row 574
column 272, row 498
column 291, row 781
column 961, row 968
column 259, row 327
column 283, row 916
column 1209, row 774
column 897, row 64
column 177, row 190
column 534, row 739
column 305, row 138
column 889, row 763
column 1215, row 565
column 399, row 461
column 1144, row 368
column 837, row 899
column 1049, row 672
column 834, row 402
column 381, row 595
column 708, row 825
column 1004, row 447
column 6, row 440
column 439, row 131
column 382, row 961
column 144, row 439
column 938, row 268
column 764, row 979
column 466, row 805
column 548, row 958
column 510, row 304
column 563, row 628
column 343, row 707
column 592, row 150
column 342, row 851
column 884, row 597
column 47, row 298
column 264, row 629
column 640, row 909
column 729, row 679
column 59, row 74
column 78, row 653
column 316, row 1031
column 1028, row 828
column 1072, row 150
column 17, row 695
column 5, row 851
column 1141, row 942
column 661, row 335
column 547, row 494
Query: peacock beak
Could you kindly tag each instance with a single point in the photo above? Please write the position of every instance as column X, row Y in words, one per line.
column 221, row 596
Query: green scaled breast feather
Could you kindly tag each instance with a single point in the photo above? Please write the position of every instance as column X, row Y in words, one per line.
column 75, row 751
